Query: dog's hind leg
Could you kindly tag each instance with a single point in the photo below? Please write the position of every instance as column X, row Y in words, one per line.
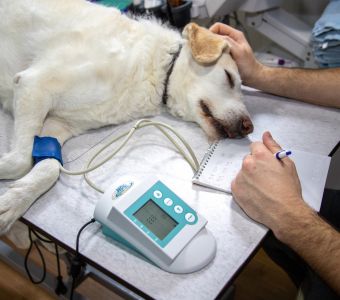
column 23, row 192
column 32, row 103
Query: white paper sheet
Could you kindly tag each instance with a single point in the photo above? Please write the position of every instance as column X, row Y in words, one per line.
column 224, row 158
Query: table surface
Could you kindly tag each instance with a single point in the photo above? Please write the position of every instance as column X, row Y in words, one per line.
column 70, row 203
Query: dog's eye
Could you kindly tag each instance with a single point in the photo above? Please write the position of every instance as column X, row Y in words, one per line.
column 230, row 79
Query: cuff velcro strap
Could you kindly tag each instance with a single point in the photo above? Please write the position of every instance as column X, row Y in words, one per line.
column 46, row 147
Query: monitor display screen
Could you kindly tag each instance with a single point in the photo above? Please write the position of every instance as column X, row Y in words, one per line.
column 155, row 219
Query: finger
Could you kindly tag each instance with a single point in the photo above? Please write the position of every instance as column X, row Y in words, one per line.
column 215, row 28
column 257, row 147
column 270, row 143
column 246, row 157
column 220, row 28
column 232, row 42
column 233, row 185
column 227, row 30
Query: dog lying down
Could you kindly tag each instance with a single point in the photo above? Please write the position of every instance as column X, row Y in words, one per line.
column 67, row 66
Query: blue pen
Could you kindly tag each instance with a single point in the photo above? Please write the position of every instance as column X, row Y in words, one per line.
column 282, row 154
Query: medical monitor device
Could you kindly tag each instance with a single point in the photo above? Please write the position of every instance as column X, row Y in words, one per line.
column 148, row 216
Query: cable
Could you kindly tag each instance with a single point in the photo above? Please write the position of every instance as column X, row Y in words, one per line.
column 193, row 163
column 41, row 257
column 60, row 288
column 91, row 147
column 76, row 264
column 80, row 231
column 192, row 160
column 129, row 133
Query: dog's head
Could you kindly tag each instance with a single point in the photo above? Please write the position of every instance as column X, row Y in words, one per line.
column 205, row 86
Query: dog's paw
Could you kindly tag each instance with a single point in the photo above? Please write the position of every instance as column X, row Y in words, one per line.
column 10, row 211
column 7, row 214
column 14, row 165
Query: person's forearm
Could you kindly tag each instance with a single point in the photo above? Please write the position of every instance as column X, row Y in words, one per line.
column 320, row 87
column 316, row 242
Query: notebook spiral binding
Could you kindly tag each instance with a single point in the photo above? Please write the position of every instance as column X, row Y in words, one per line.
column 205, row 159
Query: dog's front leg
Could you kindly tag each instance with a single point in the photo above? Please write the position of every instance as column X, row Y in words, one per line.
column 32, row 101
column 23, row 192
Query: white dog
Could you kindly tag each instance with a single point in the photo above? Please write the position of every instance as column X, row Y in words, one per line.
column 67, row 66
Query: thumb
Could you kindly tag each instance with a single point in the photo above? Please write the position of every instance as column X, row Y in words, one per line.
column 270, row 143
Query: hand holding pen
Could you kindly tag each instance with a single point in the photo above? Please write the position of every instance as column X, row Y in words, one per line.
column 267, row 186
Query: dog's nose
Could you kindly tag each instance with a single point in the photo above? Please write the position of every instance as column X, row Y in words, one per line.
column 241, row 128
column 245, row 126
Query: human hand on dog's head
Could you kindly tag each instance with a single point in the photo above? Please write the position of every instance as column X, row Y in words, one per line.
column 248, row 66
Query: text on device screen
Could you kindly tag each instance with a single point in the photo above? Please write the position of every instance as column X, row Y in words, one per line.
column 155, row 219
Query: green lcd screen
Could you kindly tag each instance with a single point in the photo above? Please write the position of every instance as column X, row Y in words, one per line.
column 155, row 219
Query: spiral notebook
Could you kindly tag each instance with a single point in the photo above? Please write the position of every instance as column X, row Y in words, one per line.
column 223, row 161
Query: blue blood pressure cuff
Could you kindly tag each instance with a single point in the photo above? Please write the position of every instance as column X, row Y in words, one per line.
column 46, row 147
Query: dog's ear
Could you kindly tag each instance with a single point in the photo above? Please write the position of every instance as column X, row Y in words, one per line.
column 206, row 47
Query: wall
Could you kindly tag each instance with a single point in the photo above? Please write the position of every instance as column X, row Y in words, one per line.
column 309, row 10
column 306, row 10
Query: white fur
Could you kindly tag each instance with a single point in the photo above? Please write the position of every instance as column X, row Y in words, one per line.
column 67, row 66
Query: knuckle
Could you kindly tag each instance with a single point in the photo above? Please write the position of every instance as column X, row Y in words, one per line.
column 259, row 154
column 248, row 163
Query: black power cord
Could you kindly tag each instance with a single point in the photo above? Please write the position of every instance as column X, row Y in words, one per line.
column 41, row 257
column 76, row 263
column 60, row 288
